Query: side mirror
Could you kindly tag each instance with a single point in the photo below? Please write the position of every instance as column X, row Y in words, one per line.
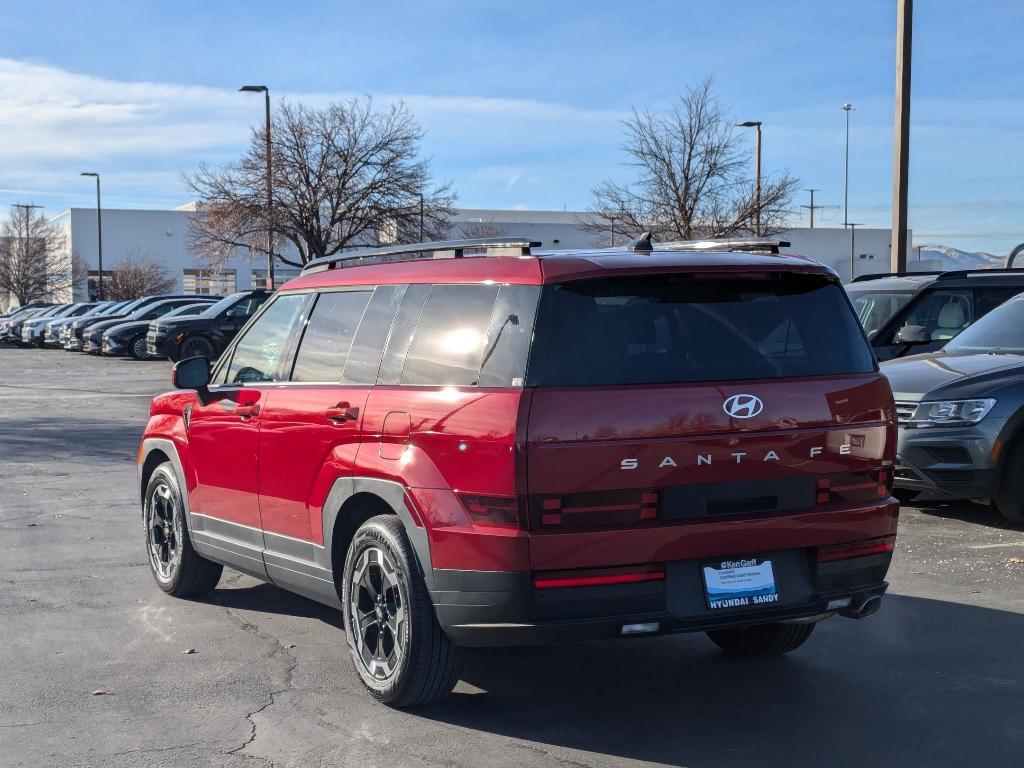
column 913, row 334
column 191, row 373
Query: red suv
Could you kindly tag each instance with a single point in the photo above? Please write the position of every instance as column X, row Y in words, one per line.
column 503, row 447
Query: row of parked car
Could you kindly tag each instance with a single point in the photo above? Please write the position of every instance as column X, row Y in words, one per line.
column 173, row 326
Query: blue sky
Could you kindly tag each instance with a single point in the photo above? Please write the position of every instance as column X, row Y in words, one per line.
column 522, row 102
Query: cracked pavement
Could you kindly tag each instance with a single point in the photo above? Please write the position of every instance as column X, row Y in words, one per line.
column 936, row 677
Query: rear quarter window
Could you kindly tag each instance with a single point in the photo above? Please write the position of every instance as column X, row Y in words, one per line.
column 695, row 328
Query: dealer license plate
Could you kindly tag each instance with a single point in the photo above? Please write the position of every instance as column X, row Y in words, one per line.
column 741, row 583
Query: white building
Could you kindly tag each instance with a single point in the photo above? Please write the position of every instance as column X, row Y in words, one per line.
column 162, row 236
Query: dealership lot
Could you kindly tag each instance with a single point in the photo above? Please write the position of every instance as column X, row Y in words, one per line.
column 936, row 677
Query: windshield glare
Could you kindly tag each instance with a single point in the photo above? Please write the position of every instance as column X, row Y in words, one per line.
column 1001, row 330
column 874, row 308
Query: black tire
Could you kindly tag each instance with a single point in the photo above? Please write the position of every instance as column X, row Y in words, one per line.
column 762, row 639
column 196, row 346
column 905, row 495
column 423, row 665
column 191, row 574
column 137, row 348
column 1009, row 499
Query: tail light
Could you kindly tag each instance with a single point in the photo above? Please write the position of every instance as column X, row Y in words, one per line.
column 599, row 577
column 595, row 509
column 854, row 549
column 502, row 511
column 851, row 487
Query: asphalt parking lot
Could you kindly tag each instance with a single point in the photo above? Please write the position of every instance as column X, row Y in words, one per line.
column 936, row 678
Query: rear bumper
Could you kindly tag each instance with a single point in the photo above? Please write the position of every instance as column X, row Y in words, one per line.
column 486, row 608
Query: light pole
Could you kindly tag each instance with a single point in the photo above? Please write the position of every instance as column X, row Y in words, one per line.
column 847, row 108
column 270, row 184
column 757, row 182
column 99, row 230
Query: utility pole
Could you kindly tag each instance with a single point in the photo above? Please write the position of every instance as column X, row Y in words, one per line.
column 812, row 207
column 421, row 218
column 853, row 261
column 901, row 135
column 756, row 124
column 847, row 108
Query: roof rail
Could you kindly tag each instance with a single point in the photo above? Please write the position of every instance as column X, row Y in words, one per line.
column 952, row 273
column 491, row 246
column 752, row 245
column 882, row 275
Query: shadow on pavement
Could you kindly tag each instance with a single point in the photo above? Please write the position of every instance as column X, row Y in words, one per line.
column 965, row 511
column 62, row 436
column 878, row 692
column 267, row 598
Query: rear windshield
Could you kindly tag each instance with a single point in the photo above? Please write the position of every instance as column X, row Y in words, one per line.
column 695, row 328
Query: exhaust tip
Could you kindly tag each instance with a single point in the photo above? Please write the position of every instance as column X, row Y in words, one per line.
column 866, row 607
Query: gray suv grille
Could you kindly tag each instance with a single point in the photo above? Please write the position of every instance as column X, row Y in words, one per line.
column 904, row 411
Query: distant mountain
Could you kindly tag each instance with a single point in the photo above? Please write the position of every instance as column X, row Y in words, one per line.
column 954, row 258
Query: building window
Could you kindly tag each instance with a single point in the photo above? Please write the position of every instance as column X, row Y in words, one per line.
column 281, row 276
column 208, row 282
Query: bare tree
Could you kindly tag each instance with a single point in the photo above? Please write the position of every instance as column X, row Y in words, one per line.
column 473, row 230
column 33, row 262
column 692, row 178
column 135, row 276
column 342, row 175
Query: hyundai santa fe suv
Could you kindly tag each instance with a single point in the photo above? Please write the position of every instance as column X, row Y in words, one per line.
column 506, row 447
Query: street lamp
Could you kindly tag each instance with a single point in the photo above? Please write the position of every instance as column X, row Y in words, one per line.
column 757, row 183
column 270, row 184
column 847, row 108
column 99, row 230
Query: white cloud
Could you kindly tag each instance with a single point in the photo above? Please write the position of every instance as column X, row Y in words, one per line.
column 54, row 123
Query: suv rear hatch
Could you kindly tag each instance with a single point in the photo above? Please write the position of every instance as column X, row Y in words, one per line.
column 687, row 415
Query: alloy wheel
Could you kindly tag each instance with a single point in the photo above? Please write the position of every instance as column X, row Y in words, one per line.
column 196, row 347
column 377, row 613
column 163, row 531
column 139, row 348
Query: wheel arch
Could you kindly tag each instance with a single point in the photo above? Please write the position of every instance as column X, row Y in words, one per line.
column 351, row 502
column 154, row 452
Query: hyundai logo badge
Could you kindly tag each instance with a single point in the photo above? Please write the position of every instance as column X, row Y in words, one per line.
column 743, row 406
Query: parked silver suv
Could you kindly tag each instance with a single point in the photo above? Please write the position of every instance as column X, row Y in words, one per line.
column 961, row 414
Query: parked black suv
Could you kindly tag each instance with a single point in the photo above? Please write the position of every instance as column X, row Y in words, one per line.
column 205, row 334
column 93, row 337
column 913, row 312
column 76, row 337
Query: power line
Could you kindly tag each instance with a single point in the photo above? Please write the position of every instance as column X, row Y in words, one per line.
column 812, row 207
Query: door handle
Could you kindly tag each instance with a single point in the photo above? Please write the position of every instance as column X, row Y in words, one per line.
column 245, row 412
column 341, row 413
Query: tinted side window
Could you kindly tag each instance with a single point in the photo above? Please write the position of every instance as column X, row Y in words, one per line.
column 987, row 299
column 509, row 336
column 372, row 335
column 401, row 334
column 247, row 307
column 448, row 346
column 328, row 337
column 259, row 351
